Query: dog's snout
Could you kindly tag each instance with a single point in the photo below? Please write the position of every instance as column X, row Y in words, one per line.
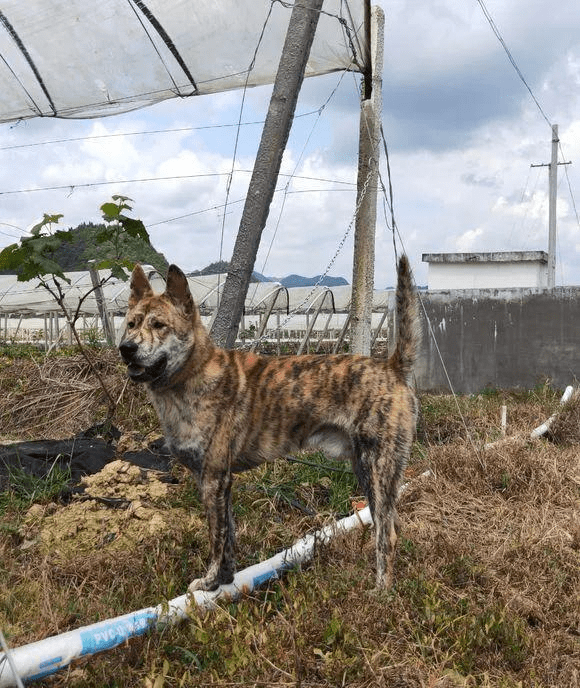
column 128, row 349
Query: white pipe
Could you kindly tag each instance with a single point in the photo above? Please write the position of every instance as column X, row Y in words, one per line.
column 544, row 427
column 45, row 657
column 8, row 655
column 503, row 420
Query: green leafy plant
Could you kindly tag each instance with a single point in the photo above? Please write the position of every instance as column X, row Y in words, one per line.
column 34, row 258
column 118, row 225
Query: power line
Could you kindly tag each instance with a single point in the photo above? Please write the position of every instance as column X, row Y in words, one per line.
column 522, row 78
column 85, row 185
column 390, row 201
column 8, row 234
column 569, row 184
column 72, row 187
column 240, row 200
column 144, row 133
column 511, row 58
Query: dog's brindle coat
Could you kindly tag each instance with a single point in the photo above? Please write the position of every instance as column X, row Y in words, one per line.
column 226, row 411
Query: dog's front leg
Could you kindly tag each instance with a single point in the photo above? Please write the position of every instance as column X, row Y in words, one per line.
column 217, row 499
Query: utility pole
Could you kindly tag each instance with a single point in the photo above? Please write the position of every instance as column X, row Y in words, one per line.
column 552, row 205
column 363, row 271
column 295, row 53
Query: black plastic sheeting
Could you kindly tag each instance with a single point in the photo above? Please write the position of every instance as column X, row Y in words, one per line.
column 84, row 454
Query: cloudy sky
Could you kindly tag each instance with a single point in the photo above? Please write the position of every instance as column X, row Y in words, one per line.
column 461, row 128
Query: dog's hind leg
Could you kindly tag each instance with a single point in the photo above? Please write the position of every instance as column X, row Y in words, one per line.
column 385, row 478
column 373, row 479
column 378, row 467
column 217, row 500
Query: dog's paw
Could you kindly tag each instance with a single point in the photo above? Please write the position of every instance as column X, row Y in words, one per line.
column 207, row 583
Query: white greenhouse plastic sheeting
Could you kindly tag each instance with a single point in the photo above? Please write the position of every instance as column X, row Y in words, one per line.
column 29, row 298
column 64, row 59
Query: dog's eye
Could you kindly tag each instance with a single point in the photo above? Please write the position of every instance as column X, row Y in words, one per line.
column 130, row 324
column 158, row 325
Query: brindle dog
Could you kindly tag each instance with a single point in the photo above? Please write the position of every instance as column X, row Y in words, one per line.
column 227, row 411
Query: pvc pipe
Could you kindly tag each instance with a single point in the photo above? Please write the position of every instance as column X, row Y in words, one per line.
column 503, row 420
column 10, row 661
column 544, row 427
column 45, row 657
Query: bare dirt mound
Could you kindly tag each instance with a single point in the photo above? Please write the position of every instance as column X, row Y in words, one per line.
column 122, row 506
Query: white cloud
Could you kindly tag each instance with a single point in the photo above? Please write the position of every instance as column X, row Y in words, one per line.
column 461, row 128
column 468, row 241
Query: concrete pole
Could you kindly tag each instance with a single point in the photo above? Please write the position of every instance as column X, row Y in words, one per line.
column 553, row 201
column 295, row 53
column 552, row 207
column 368, row 168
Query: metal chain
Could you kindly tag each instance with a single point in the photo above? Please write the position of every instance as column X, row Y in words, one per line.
column 293, row 312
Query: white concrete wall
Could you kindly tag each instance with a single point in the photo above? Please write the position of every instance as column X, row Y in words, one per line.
column 484, row 275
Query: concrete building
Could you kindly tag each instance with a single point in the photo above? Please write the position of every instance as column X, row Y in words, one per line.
column 500, row 270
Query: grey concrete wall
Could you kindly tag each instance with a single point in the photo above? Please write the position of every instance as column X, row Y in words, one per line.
column 504, row 338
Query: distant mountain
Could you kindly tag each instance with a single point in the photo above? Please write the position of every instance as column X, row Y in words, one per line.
column 299, row 281
column 222, row 266
column 215, row 268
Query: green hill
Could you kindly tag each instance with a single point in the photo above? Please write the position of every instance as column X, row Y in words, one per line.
column 77, row 254
column 221, row 267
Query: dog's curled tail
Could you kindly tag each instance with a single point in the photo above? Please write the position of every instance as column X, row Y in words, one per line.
column 407, row 341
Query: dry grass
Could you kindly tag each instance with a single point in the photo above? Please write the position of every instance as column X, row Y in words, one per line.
column 487, row 586
column 57, row 396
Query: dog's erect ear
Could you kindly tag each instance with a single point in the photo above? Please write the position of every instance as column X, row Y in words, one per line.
column 140, row 287
column 177, row 289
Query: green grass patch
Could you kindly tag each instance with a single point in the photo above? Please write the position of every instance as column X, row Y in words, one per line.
column 25, row 489
column 310, row 482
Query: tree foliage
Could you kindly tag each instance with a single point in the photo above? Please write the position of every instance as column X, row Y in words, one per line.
column 117, row 243
column 83, row 250
column 34, row 255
